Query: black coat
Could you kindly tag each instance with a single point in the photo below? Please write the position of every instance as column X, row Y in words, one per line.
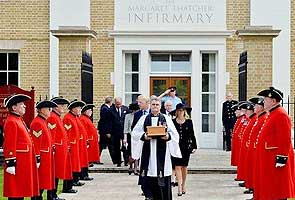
column 137, row 116
column 187, row 141
column 228, row 113
column 118, row 121
column 105, row 121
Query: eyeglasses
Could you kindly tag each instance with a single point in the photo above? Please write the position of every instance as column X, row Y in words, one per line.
column 155, row 104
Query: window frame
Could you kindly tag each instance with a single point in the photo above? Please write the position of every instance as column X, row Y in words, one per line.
column 7, row 71
column 209, row 113
column 131, row 73
column 170, row 62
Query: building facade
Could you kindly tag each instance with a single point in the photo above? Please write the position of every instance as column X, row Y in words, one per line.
column 143, row 47
column 25, row 45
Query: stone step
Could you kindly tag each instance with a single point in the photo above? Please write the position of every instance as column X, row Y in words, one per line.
column 198, row 170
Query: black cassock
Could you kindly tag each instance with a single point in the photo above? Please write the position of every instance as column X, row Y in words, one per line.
column 155, row 157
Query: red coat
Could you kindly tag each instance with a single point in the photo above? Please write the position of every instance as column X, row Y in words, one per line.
column 18, row 145
column 93, row 149
column 62, row 159
column 70, row 123
column 83, row 144
column 235, row 151
column 251, row 158
column 43, row 145
column 242, row 169
column 275, row 139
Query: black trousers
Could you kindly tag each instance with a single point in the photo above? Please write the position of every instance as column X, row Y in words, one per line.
column 54, row 191
column 116, row 151
column 84, row 172
column 106, row 143
column 228, row 134
column 49, row 195
column 76, row 176
column 153, row 190
column 67, row 185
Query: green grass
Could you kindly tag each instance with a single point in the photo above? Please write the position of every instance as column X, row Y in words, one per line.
column 44, row 193
column 1, row 183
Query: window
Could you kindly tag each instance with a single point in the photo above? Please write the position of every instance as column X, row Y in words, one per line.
column 131, row 77
column 170, row 62
column 9, row 68
column 208, row 92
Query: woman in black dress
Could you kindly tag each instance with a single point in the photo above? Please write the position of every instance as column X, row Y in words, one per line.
column 187, row 144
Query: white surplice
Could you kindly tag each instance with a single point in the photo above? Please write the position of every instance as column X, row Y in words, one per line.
column 172, row 147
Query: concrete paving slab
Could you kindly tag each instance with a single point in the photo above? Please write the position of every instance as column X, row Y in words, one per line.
column 202, row 161
column 119, row 186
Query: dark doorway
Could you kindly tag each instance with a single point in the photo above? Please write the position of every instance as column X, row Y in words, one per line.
column 87, row 78
column 243, row 76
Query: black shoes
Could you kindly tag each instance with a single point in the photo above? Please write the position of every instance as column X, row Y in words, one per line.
column 242, row 184
column 78, row 183
column 174, row 184
column 86, row 178
column 57, row 198
column 98, row 163
column 69, row 191
column 249, row 191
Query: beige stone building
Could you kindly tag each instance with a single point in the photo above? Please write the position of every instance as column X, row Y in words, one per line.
column 24, row 44
column 143, row 47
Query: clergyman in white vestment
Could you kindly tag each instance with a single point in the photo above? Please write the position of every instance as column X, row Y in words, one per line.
column 155, row 153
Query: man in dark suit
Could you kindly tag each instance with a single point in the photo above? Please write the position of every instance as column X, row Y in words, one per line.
column 228, row 118
column 118, row 117
column 144, row 106
column 105, row 125
column 167, row 107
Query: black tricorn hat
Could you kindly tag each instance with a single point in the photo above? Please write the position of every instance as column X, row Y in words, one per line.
column 60, row 100
column 75, row 103
column 14, row 99
column 257, row 100
column 87, row 107
column 247, row 105
column 240, row 103
column 181, row 106
column 235, row 106
column 45, row 104
column 272, row 93
column 133, row 106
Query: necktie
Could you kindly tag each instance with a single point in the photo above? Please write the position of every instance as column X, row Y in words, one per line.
column 119, row 112
column 144, row 112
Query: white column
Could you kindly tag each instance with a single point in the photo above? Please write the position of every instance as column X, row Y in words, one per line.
column 144, row 74
column 196, row 103
column 220, row 93
column 118, row 74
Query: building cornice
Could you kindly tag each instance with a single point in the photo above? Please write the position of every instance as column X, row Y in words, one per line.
column 72, row 31
column 170, row 33
column 258, row 31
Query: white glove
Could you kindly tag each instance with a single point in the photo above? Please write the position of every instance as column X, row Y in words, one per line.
column 10, row 170
column 280, row 165
column 38, row 165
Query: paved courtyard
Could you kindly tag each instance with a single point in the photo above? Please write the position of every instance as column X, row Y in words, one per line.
column 119, row 186
column 211, row 178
